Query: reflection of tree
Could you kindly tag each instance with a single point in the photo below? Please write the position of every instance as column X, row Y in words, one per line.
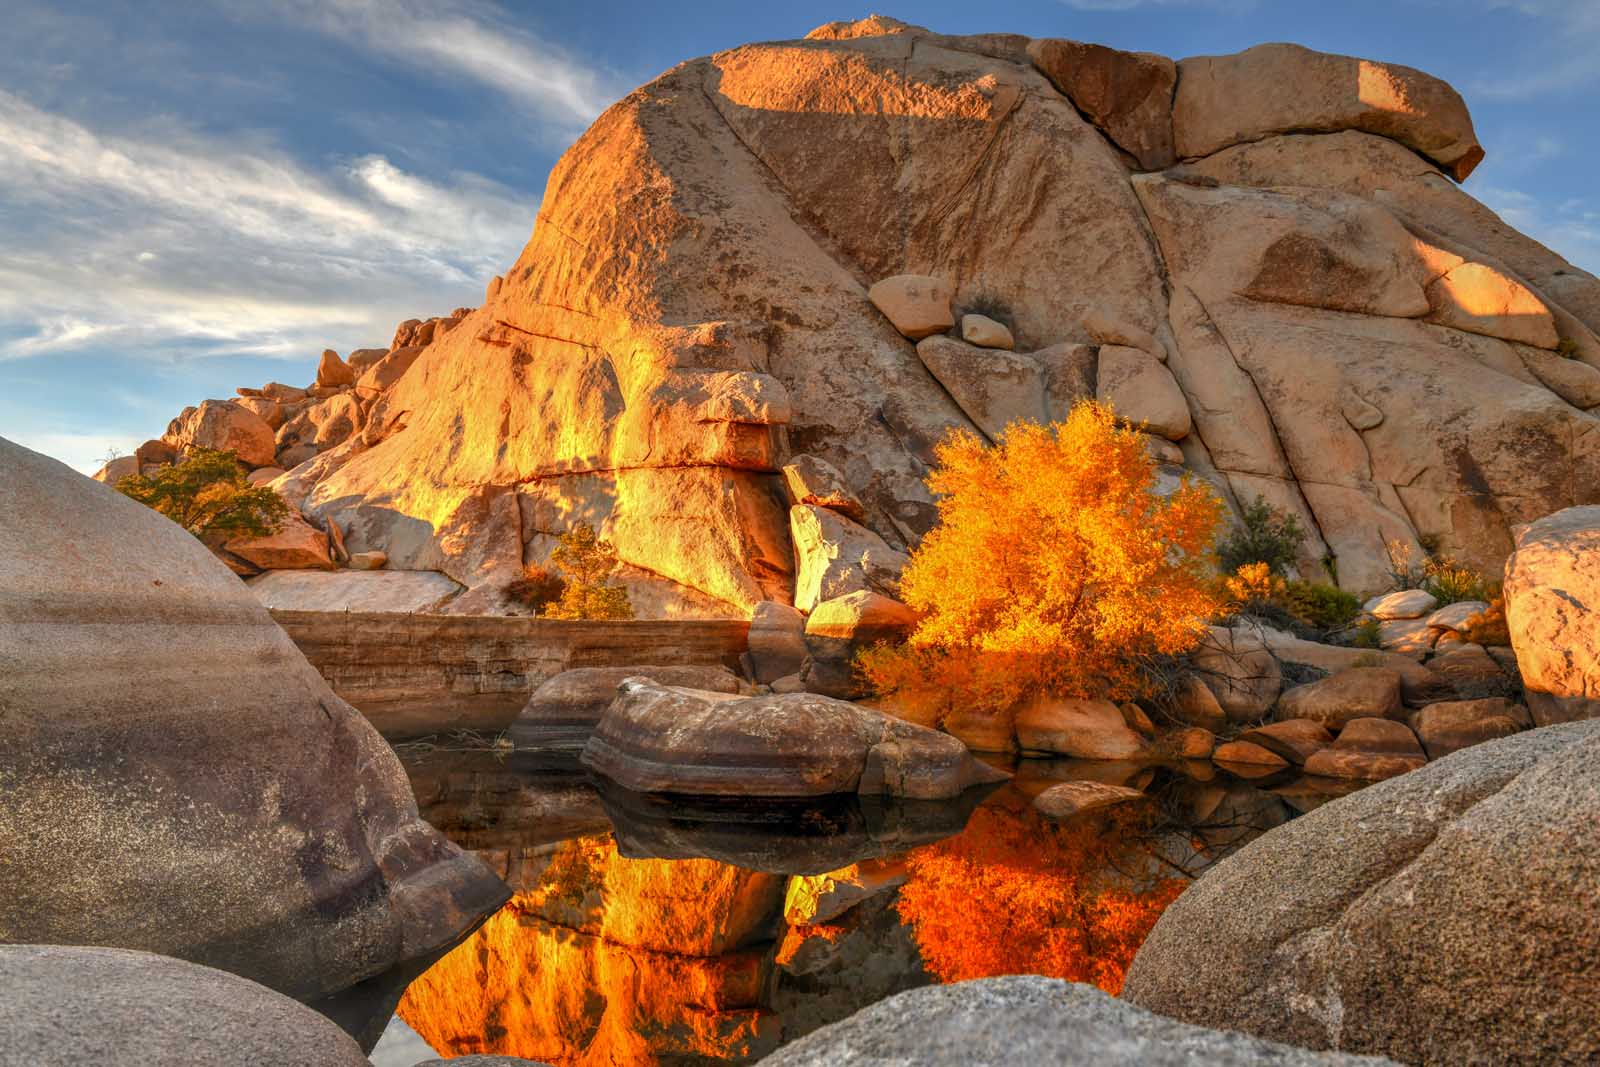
column 1014, row 894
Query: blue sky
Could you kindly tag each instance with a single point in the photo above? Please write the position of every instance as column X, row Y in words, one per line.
column 196, row 196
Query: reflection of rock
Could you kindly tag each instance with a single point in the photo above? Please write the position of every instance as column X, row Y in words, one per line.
column 249, row 819
column 72, row 1007
column 1025, row 1020
column 809, row 837
column 1415, row 917
column 657, row 739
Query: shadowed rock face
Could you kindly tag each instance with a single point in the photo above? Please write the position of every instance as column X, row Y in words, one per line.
column 175, row 777
column 1443, row 917
column 1355, row 339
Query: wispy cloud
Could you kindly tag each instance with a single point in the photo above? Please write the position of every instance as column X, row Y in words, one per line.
column 469, row 41
column 1570, row 33
column 184, row 239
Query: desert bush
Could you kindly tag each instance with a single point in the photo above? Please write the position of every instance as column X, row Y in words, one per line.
column 537, row 589
column 1451, row 582
column 1367, row 634
column 1318, row 604
column 207, row 494
column 1490, row 628
column 1055, row 567
column 587, row 561
column 1290, row 604
column 1266, row 535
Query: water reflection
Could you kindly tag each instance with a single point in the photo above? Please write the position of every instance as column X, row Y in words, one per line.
column 682, row 930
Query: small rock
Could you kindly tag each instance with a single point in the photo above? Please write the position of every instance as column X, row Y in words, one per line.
column 1293, row 739
column 1370, row 750
column 1244, row 677
column 918, row 306
column 1405, row 604
column 287, row 394
column 297, row 545
column 811, row 480
column 1409, row 637
column 984, row 332
column 1142, row 391
column 368, row 561
column 777, row 641
column 1138, row 720
column 789, row 683
column 1452, row 725
column 1458, row 616
column 1473, row 673
column 1071, row 799
column 1194, row 703
column 1247, row 759
column 1353, row 693
column 1084, row 729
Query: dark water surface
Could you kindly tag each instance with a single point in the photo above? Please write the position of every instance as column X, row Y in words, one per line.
column 681, row 930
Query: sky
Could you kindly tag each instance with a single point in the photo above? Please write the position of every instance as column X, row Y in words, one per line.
column 201, row 195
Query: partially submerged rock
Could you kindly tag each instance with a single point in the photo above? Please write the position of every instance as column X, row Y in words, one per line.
column 1072, row 799
column 561, row 714
column 250, row 818
column 654, row 738
column 1413, row 918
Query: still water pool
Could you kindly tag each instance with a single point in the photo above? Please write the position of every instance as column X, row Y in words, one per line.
column 656, row 930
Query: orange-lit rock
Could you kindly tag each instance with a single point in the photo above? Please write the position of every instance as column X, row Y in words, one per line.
column 612, row 961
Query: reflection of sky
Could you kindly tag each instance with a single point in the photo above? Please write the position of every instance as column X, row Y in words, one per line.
column 195, row 200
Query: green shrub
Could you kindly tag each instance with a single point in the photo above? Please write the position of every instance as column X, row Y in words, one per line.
column 588, row 562
column 1327, row 607
column 1567, row 348
column 1265, row 535
column 1367, row 634
column 207, row 494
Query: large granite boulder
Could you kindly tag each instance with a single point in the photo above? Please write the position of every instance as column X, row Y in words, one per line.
column 658, row 739
column 1552, row 594
column 1025, row 1020
column 74, row 1006
column 706, row 297
column 1446, row 916
column 227, row 427
column 561, row 714
column 178, row 779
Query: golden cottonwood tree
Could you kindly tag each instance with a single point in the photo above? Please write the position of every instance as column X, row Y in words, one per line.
column 1055, row 568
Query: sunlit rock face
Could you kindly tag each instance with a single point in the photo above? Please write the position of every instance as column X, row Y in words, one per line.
column 1355, row 338
column 175, row 777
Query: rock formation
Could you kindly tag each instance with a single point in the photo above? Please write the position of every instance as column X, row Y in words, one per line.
column 177, row 778
column 792, row 249
column 1434, row 918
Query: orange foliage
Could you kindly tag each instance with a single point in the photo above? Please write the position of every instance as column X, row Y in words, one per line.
column 1055, row 568
column 1013, row 894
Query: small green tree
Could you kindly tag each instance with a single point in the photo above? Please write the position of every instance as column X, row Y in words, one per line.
column 1266, row 535
column 207, row 493
column 588, row 561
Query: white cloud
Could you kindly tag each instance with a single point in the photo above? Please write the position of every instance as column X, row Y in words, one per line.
column 467, row 41
column 210, row 245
